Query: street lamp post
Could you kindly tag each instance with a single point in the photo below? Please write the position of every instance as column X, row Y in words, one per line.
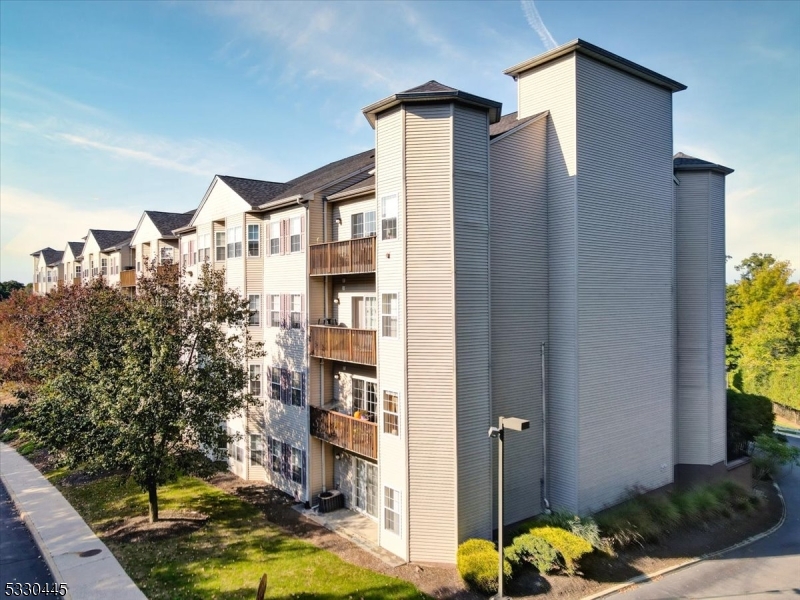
column 514, row 424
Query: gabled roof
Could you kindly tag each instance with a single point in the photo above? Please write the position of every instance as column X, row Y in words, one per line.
column 357, row 189
column 509, row 122
column 49, row 255
column 165, row 222
column 684, row 162
column 109, row 239
column 326, row 176
column 253, row 191
column 76, row 248
column 429, row 92
column 597, row 53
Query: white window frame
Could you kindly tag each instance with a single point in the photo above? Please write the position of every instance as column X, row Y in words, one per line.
column 389, row 320
column 254, row 380
column 234, row 239
column 256, row 450
column 295, row 311
column 389, row 216
column 365, row 319
column 296, row 465
column 219, row 248
column 296, row 388
column 103, row 267
column 275, row 455
column 392, row 510
column 361, row 399
column 166, row 254
column 255, row 318
column 361, row 225
column 295, row 231
column 394, row 427
column 275, row 237
column 275, row 310
column 253, row 241
column 204, row 247
column 275, row 383
column 78, row 272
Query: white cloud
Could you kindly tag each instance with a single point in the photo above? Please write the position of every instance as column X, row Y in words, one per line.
column 31, row 221
column 536, row 23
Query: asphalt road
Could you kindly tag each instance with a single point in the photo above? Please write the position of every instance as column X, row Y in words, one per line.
column 20, row 560
column 768, row 568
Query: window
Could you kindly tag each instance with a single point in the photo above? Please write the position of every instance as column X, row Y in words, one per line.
column 193, row 252
column 275, row 237
column 365, row 397
column 138, row 266
column 103, row 267
column 389, row 217
column 166, row 255
column 297, row 388
column 234, row 242
column 253, row 240
column 389, row 318
column 204, row 247
column 255, row 380
column 255, row 309
column 391, row 417
column 275, row 310
column 294, row 232
column 256, row 450
column 391, row 510
column 365, row 312
column 275, row 383
column 239, row 454
column 219, row 240
column 77, row 270
column 49, row 277
column 275, row 455
column 185, row 254
column 297, row 465
column 296, row 311
column 363, row 224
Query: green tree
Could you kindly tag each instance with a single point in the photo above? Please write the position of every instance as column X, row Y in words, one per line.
column 142, row 384
column 7, row 287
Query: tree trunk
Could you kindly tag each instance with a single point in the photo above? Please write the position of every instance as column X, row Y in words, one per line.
column 153, row 498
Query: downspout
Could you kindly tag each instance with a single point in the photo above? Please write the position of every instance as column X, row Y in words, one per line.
column 545, row 501
column 324, row 314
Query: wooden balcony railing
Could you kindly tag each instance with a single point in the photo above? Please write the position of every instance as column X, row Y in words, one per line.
column 345, row 344
column 344, row 431
column 339, row 258
column 76, row 281
column 127, row 278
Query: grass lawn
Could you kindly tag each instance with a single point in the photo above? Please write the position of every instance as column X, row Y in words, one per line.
column 224, row 558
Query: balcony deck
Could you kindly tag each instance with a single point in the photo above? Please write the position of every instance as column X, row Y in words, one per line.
column 344, row 344
column 341, row 258
column 127, row 278
column 344, row 431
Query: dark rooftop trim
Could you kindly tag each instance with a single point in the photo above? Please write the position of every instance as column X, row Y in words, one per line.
column 357, row 189
column 600, row 54
column 76, row 248
column 253, row 191
column 432, row 91
column 684, row 162
column 510, row 122
column 166, row 222
column 109, row 239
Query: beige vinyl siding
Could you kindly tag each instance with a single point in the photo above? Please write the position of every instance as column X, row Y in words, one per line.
column 254, row 274
column 343, row 387
column 392, row 453
column 345, row 289
column 91, row 253
column 519, row 276
column 625, row 303
column 552, row 88
column 146, row 232
column 700, row 291
column 219, row 203
column 430, row 327
column 345, row 210
column 470, row 223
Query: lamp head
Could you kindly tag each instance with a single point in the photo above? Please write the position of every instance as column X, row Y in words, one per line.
column 515, row 424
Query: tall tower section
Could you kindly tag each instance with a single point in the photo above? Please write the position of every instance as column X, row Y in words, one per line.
column 432, row 190
column 610, row 271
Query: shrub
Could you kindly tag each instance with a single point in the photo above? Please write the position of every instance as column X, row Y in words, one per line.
column 663, row 512
column 771, row 452
column 748, row 416
column 701, row 504
column 477, row 562
column 534, row 550
column 567, row 544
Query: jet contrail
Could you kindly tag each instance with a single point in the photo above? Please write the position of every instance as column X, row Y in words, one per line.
column 536, row 23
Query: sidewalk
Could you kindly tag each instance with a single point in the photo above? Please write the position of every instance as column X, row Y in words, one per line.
column 75, row 555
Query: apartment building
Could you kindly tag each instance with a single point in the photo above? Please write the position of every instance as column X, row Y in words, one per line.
column 47, row 271
column 556, row 264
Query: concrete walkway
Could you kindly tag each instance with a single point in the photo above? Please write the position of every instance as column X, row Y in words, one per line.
column 768, row 568
column 74, row 554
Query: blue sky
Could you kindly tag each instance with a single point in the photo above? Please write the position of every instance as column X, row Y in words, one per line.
column 111, row 108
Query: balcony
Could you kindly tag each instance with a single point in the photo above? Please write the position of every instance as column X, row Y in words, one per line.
column 76, row 281
column 127, row 278
column 345, row 431
column 340, row 258
column 344, row 344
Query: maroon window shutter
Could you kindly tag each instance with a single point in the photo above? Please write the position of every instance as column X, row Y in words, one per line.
column 303, row 233
column 285, row 308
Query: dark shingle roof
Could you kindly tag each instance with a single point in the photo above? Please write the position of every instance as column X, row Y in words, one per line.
column 364, row 185
column 107, row 238
column 507, row 123
column 430, row 86
column 49, row 255
column 76, row 248
column 165, row 222
column 684, row 162
column 324, row 176
column 253, row 191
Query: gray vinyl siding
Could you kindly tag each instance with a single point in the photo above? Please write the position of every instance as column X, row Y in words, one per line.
column 470, row 207
column 552, row 88
column 624, row 259
column 430, row 326
column 519, row 307
column 255, row 425
column 701, row 317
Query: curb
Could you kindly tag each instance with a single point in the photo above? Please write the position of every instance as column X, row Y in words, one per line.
column 37, row 538
column 650, row 576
